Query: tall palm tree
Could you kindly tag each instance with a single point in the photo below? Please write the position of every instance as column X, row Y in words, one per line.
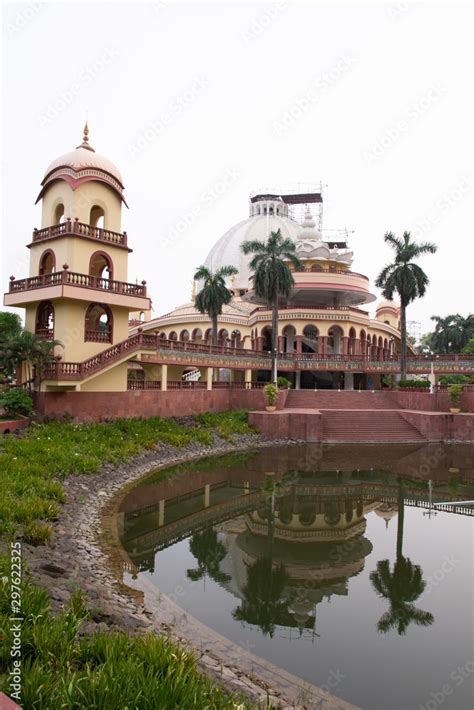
column 406, row 278
column 214, row 293
column 452, row 333
column 400, row 586
column 272, row 277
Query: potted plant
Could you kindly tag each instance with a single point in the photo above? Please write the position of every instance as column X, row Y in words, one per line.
column 455, row 392
column 283, row 383
column 270, row 392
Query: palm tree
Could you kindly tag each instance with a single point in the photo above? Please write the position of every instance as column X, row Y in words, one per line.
column 35, row 352
column 272, row 277
column 402, row 586
column 406, row 278
column 214, row 294
column 452, row 333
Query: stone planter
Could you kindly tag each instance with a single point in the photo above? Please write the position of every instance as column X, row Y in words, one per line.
column 8, row 426
column 455, row 410
column 270, row 408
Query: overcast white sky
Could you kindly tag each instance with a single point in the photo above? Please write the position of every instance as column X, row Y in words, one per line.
column 200, row 104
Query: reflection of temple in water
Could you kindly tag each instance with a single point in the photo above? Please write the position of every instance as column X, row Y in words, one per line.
column 307, row 530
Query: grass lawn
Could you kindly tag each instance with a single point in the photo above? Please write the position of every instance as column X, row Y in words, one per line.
column 61, row 668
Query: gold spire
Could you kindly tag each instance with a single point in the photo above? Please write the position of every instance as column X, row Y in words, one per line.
column 85, row 139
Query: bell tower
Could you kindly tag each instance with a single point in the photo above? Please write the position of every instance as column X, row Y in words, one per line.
column 77, row 290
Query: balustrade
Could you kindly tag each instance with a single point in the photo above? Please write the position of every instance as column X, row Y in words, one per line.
column 76, row 228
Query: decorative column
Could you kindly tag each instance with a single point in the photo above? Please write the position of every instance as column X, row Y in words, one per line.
column 260, row 342
column 345, row 345
column 281, row 343
column 209, row 377
column 299, row 344
column 248, row 379
column 348, row 380
column 161, row 513
column 323, row 345
column 164, row 378
column 298, row 380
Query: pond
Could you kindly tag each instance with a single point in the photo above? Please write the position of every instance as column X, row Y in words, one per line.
column 335, row 563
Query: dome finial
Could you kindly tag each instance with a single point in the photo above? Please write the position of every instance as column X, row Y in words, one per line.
column 85, row 139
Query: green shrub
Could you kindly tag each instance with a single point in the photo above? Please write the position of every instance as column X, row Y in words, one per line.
column 414, row 384
column 282, row 382
column 16, row 401
column 455, row 392
column 271, row 394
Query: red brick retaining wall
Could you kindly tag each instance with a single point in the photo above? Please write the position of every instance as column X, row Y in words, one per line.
column 438, row 426
column 94, row 406
column 11, row 425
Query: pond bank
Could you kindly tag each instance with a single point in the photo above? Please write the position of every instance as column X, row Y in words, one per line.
column 83, row 554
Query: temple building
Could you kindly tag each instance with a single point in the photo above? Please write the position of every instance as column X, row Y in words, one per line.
column 324, row 315
column 77, row 293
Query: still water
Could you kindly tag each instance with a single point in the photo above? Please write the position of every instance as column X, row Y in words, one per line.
column 332, row 562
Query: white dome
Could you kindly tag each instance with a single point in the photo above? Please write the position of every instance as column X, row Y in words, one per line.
column 227, row 252
column 384, row 303
column 82, row 159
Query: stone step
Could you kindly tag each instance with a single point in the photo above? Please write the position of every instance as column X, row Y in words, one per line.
column 367, row 425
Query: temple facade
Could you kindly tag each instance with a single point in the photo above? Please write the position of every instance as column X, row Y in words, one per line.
column 77, row 293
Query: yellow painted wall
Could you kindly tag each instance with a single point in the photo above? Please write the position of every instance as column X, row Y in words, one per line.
column 69, row 318
column 77, row 252
column 114, row 380
column 79, row 202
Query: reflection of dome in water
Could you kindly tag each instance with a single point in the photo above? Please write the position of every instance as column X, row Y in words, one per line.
column 387, row 511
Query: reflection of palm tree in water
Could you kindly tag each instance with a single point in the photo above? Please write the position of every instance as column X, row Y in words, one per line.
column 209, row 553
column 262, row 604
column 400, row 587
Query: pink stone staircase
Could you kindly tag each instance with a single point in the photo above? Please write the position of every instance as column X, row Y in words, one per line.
column 332, row 399
column 367, row 426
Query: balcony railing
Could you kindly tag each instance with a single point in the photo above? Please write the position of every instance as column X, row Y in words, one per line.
column 74, row 227
column 71, row 278
column 147, row 341
column 143, row 384
column 45, row 333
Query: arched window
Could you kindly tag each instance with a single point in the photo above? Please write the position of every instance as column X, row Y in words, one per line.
column 289, row 333
column 197, row 335
column 142, row 317
column 267, row 338
column 44, row 326
column 101, row 265
column 235, row 337
column 316, row 267
column 335, row 334
column 270, row 210
column 97, row 217
column 310, row 339
column 98, row 324
column 184, row 336
column 59, row 217
column 47, row 263
column 208, row 335
column 173, row 335
column 162, row 336
column 223, row 337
